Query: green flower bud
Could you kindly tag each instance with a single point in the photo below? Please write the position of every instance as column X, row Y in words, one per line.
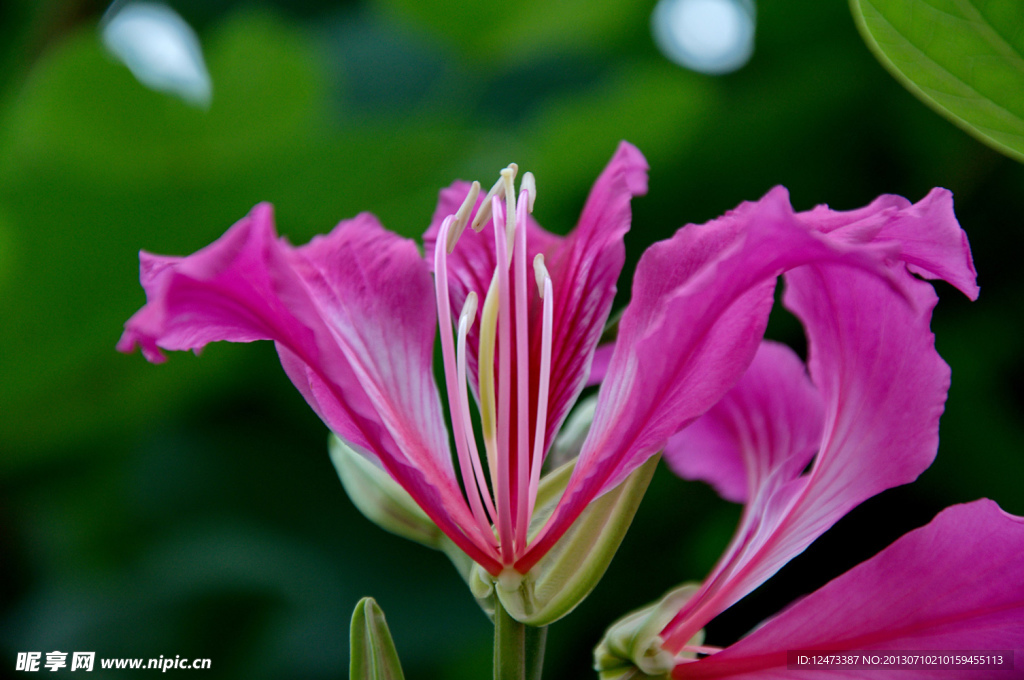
column 631, row 648
column 374, row 656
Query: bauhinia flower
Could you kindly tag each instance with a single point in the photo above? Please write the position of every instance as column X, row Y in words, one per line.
column 520, row 310
column 801, row 450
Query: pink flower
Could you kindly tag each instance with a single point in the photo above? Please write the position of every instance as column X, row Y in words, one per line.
column 802, row 450
column 353, row 315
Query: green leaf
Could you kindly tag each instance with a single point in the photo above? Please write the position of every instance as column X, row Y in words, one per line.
column 374, row 656
column 964, row 58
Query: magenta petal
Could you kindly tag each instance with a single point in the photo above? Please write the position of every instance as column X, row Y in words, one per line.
column 872, row 356
column 584, row 271
column 352, row 316
column 954, row 584
column 599, row 365
column 930, row 239
column 375, row 294
column 764, row 431
column 225, row 291
column 700, row 304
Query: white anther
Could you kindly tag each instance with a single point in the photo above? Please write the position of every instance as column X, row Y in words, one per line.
column 462, row 217
column 529, row 185
column 468, row 310
column 508, row 176
column 541, row 272
column 498, row 190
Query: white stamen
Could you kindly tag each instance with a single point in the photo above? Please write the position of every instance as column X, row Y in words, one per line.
column 462, row 216
column 469, row 309
column 541, row 272
column 498, row 190
column 529, row 185
column 508, row 176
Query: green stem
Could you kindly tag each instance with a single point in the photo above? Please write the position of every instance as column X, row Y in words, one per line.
column 518, row 648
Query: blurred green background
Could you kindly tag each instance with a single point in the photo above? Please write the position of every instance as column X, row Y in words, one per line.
column 190, row 509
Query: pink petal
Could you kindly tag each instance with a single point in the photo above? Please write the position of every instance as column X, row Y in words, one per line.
column 872, row 357
column 765, row 430
column 930, row 239
column 584, row 272
column 700, row 304
column 954, row 584
column 599, row 366
column 223, row 291
column 352, row 316
column 884, row 387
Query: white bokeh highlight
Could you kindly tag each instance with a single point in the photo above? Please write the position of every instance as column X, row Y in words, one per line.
column 159, row 48
column 707, row 36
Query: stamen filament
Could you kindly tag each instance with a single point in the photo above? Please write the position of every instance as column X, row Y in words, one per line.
column 485, row 367
column 522, row 378
column 448, row 358
column 544, row 380
column 463, row 406
column 476, row 485
column 503, row 489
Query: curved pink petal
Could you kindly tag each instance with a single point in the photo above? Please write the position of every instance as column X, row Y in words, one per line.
column 222, row 292
column 954, row 584
column 930, row 239
column 763, row 432
column 884, row 387
column 351, row 314
column 700, row 304
column 584, row 268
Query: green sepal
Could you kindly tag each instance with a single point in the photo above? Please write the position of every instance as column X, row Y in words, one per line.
column 373, row 652
column 385, row 503
column 575, row 564
column 380, row 498
column 631, row 647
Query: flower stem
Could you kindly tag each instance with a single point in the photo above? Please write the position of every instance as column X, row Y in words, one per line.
column 518, row 648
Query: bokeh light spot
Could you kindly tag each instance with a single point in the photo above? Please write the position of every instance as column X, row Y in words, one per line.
column 707, row 36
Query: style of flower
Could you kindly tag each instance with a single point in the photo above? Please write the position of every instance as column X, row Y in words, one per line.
column 353, row 316
column 800, row 451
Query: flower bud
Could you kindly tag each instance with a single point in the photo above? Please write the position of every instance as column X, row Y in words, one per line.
column 632, row 645
column 374, row 656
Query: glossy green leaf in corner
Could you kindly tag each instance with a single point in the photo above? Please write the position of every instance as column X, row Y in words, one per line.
column 964, row 58
column 373, row 651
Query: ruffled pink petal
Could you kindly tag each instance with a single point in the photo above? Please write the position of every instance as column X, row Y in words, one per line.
column 954, row 584
column 763, row 432
column 699, row 308
column 584, row 268
column 930, row 240
column 222, row 292
column 351, row 314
